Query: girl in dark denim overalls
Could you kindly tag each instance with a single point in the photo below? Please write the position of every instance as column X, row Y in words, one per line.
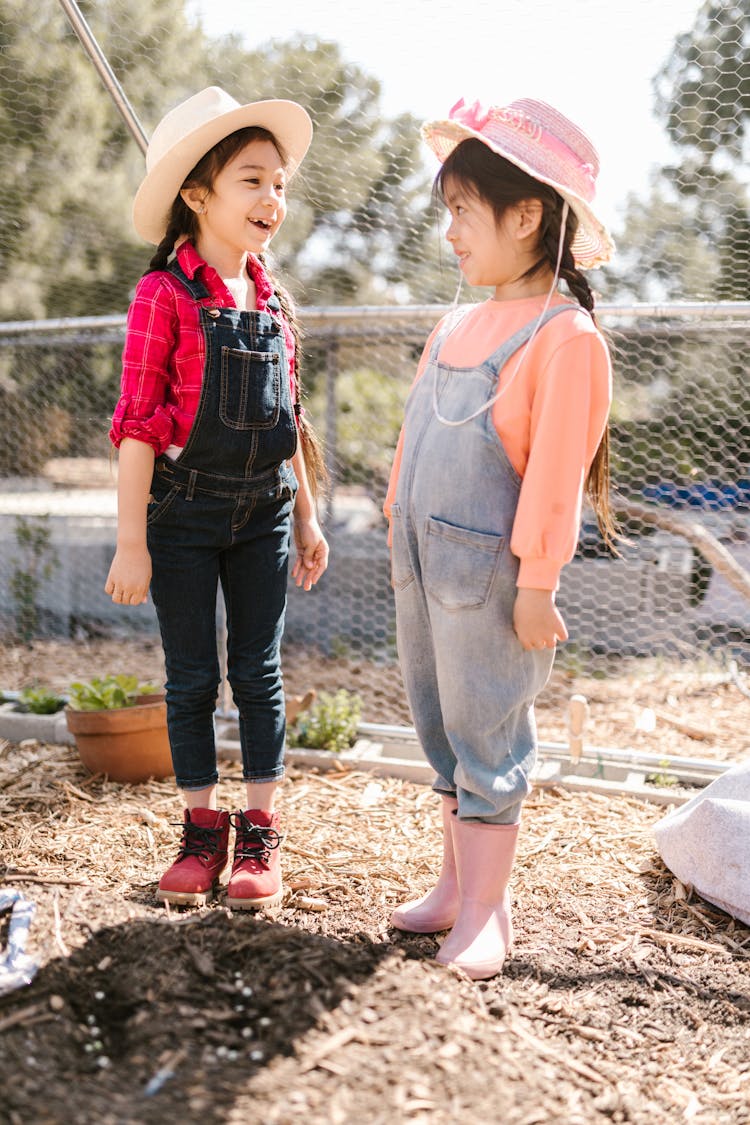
column 503, row 425
column 210, row 465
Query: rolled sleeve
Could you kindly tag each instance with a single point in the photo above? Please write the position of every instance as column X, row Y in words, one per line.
column 143, row 411
column 156, row 431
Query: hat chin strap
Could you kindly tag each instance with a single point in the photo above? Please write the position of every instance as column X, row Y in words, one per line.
column 491, row 402
column 458, row 288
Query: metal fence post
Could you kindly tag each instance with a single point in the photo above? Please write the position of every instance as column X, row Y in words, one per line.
column 331, row 454
column 105, row 72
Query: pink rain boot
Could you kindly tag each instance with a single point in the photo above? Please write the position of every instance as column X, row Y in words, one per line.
column 437, row 909
column 483, row 931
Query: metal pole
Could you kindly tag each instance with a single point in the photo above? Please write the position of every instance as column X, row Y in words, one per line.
column 332, row 372
column 105, row 72
column 95, row 53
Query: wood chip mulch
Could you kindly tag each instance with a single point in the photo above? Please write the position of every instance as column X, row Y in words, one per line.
column 627, row 998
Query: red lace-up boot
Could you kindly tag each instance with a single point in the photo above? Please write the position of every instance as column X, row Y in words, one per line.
column 256, row 873
column 192, row 878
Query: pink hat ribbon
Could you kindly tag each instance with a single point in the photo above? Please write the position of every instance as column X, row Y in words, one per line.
column 473, row 116
column 476, row 117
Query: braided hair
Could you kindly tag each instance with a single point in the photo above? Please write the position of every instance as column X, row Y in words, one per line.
column 312, row 447
column 502, row 184
column 598, row 478
column 182, row 224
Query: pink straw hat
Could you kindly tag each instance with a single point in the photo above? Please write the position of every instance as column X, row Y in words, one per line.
column 193, row 127
column 545, row 144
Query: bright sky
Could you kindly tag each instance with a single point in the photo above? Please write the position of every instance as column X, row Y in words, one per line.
column 593, row 61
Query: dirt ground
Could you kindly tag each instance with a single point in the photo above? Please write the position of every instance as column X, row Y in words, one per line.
column 627, row 998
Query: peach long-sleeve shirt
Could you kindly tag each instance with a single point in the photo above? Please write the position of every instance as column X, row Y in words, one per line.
column 550, row 420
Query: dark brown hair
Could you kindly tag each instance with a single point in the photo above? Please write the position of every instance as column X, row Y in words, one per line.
column 501, row 185
column 183, row 223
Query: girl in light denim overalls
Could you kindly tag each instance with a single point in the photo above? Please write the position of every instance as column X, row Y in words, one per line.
column 504, row 424
column 210, row 465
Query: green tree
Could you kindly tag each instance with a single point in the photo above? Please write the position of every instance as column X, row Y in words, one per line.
column 68, row 167
column 360, row 225
column 689, row 240
column 703, row 89
column 359, row 221
column 683, row 390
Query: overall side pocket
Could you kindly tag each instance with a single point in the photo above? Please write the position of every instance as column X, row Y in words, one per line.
column 401, row 569
column 159, row 505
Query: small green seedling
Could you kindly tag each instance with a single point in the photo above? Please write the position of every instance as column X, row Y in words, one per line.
column 330, row 724
column 661, row 778
column 40, row 701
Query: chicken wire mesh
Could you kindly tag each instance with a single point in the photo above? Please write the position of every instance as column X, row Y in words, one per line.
column 361, row 253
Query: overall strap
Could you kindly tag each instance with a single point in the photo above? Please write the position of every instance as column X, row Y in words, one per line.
column 451, row 321
column 195, row 288
column 497, row 361
column 501, row 355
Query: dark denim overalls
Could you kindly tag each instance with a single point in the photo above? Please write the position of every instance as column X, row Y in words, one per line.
column 220, row 513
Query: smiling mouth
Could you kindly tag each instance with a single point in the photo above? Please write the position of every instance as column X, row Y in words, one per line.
column 263, row 224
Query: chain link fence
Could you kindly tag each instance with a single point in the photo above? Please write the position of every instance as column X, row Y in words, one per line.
column 364, row 254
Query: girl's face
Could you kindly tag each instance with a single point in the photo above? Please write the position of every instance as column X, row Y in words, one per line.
column 490, row 252
column 247, row 203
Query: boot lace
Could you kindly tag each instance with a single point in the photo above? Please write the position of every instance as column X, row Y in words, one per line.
column 254, row 841
column 197, row 840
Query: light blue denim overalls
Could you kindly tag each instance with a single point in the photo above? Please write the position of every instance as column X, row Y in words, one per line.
column 470, row 684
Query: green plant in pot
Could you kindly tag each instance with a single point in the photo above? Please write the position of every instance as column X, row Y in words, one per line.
column 109, row 693
column 120, row 727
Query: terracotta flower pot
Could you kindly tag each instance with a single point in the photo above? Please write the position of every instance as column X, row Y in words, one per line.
column 128, row 743
column 150, row 697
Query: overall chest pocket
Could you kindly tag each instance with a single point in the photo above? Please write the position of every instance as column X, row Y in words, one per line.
column 250, row 395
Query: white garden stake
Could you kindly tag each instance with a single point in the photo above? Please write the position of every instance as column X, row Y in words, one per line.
column 578, row 715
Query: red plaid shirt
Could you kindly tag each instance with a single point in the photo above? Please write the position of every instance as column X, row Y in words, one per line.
column 164, row 354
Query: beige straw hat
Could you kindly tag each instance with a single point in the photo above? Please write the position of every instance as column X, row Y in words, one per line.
column 193, row 127
column 545, row 144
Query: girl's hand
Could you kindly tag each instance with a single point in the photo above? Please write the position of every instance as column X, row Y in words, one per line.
column 129, row 576
column 536, row 619
column 312, row 552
